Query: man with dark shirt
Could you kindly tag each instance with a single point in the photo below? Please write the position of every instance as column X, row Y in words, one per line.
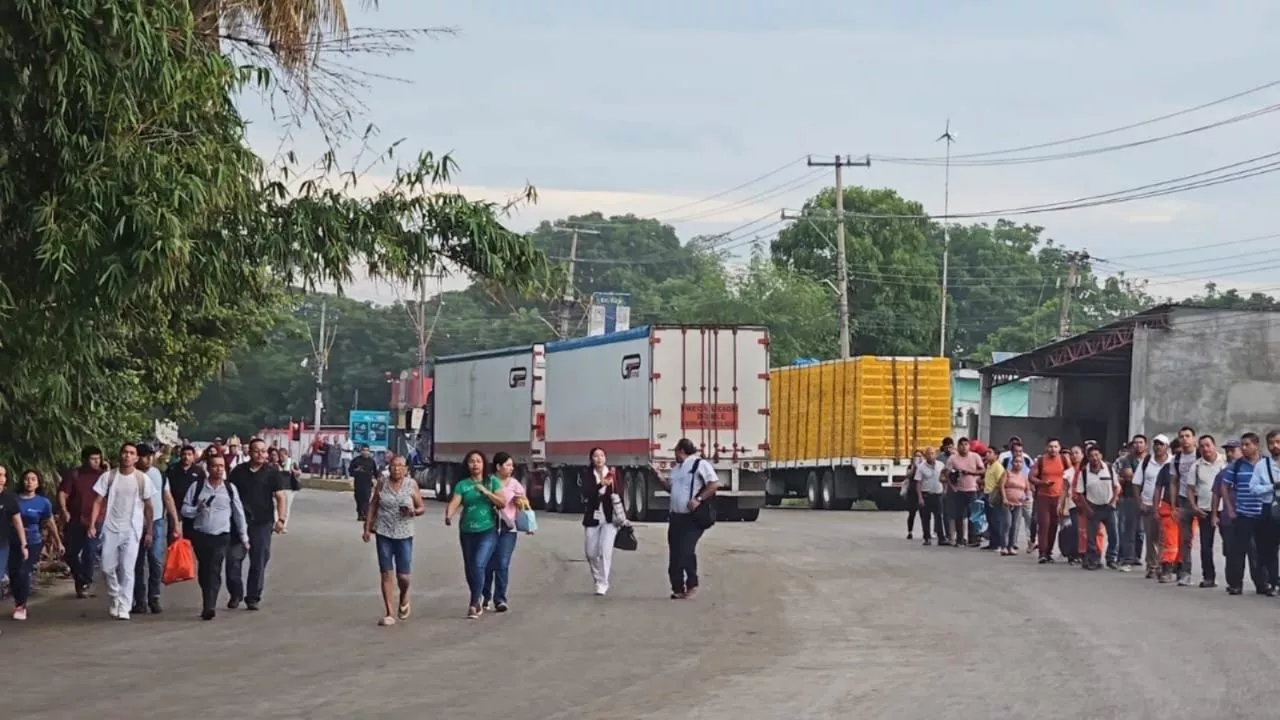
column 76, row 498
column 363, row 469
column 182, row 475
column 10, row 528
column 261, row 490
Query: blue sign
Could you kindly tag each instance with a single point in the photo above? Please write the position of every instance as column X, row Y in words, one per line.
column 610, row 313
column 370, row 427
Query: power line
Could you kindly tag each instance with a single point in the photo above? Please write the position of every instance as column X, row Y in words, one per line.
column 1103, row 133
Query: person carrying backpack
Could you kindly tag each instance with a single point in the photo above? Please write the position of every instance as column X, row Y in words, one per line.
column 1047, row 477
column 213, row 506
column 1242, row 503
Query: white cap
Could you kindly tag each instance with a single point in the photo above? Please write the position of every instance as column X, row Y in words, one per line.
column 1162, row 439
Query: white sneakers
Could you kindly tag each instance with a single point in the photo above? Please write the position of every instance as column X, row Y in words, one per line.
column 118, row 610
column 602, row 589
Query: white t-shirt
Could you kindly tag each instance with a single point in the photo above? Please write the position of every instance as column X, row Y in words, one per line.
column 157, row 490
column 124, row 502
column 348, row 449
column 1149, row 477
column 1098, row 485
column 930, row 476
column 1186, row 466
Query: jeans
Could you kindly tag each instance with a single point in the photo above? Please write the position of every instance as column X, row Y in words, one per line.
column 149, row 570
column 211, row 555
column 1128, row 517
column 960, row 507
column 20, row 572
column 1186, row 529
column 1207, row 568
column 682, row 552
column 363, row 491
column 1245, row 532
column 932, row 510
column 1267, row 542
column 477, row 551
column 996, row 519
column 82, row 554
column 497, row 574
column 1046, row 508
column 259, row 555
column 1102, row 516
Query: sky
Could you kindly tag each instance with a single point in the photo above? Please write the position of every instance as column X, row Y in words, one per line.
column 651, row 107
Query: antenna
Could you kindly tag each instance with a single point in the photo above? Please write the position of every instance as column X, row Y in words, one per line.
column 946, row 238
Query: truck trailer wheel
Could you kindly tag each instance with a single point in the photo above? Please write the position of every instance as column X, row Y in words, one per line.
column 772, row 500
column 549, row 492
column 749, row 515
column 629, row 494
column 829, row 501
column 814, row 490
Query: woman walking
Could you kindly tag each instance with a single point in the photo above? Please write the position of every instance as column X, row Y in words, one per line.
column 602, row 516
column 37, row 513
column 497, row 574
column 477, row 499
column 1014, row 490
column 395, row 503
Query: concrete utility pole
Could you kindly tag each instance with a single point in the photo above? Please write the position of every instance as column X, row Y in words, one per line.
column 320, row 349
column 946, row 239
column 1068, row 289
column 566, row 302
column 840, row 163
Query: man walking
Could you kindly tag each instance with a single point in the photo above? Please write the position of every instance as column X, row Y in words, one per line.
column 1047, row 477
column 1232, row 453
column 217, row 520
column 149, row 571
column 1101, row 492
column 1201, row 505
column 1241, row 493
column 1181, row 471
column 261, row 491
column 124, row 501
column 1149, row 474
column 1129, row 509
column 76, row 498
column 692, row 482
column 182, row 476
column 363, row 469
column 1268, row 538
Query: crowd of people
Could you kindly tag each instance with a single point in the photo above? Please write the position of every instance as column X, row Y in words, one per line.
column 122, row 518
column 1143, row 508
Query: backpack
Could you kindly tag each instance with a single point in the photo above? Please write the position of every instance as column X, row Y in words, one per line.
column 141, row 477
column 189, row 523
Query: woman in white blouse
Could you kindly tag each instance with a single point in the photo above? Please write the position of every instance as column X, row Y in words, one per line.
column 602, row 515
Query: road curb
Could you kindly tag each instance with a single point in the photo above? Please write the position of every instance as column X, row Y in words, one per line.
column 326, row 484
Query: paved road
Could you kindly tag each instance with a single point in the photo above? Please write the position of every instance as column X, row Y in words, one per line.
column 804, row 615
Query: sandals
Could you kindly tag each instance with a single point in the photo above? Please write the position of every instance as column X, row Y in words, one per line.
column 387, row 621
column 473, row 612
column 405, row 610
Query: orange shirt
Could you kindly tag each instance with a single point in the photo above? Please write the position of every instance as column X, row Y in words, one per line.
column 1051, row 471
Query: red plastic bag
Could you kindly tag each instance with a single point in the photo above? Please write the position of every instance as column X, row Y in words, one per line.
column 180, row 565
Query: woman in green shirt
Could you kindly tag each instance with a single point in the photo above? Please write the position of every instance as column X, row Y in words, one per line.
column 478, row 499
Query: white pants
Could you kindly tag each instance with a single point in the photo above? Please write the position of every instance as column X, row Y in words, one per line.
column 599, row 552
column 288, row 507
column 119, row 553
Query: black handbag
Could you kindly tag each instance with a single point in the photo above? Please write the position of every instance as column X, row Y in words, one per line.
column 626, row 539
column 704, row 516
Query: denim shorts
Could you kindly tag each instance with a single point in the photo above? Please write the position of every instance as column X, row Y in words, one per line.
column 395, row 553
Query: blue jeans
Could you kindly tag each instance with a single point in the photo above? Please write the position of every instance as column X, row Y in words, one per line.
column 20, row 572
column 498, row 572
column 149, row 570
column 477, row 550
column 83, row 554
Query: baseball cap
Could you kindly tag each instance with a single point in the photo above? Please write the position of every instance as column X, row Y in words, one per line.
column 1231, row 444
column 145, row 449
column 1161, row 439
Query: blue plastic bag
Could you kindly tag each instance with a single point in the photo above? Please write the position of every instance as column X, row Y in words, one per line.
column 526, row 521
column 978, row 516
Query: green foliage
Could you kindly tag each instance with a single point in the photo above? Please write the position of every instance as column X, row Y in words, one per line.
column 144, row 240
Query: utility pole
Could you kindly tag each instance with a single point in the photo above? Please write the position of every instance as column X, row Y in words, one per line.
column 320, row 349
column 1068, row 289
column 566, row 302
column 842, row 261
column 946, row 239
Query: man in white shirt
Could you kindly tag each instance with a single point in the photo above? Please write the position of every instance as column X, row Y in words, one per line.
column 1149, row 473
column 1101, row 490
column 125, row 493
column 1200, row 504
column 348, row 452
column 149, row 570
column 1181, row 470
column 929, row 477
column 691, row 484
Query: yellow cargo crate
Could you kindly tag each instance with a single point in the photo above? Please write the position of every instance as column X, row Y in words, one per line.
column 864, row 407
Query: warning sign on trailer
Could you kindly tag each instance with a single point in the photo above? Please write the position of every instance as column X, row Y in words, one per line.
column 709, row 416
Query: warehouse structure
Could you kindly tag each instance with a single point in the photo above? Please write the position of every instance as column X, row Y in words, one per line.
column 1173, row 365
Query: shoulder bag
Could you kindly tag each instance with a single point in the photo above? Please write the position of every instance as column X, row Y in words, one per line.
column 704, row 516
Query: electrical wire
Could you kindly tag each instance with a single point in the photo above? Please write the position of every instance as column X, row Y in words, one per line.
column 1103, row 133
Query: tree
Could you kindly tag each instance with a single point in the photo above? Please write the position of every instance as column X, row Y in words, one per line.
column 145, row 241
column 894, row 288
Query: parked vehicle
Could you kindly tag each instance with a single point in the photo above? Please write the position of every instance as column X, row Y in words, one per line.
column 845, row 430
column 632, row 393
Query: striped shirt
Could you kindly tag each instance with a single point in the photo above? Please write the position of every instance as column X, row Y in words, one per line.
column 1239, row 476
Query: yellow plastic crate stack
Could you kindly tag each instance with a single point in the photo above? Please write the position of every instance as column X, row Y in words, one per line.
column 861, row 407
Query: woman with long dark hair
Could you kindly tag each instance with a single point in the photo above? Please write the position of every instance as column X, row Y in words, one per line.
column 37, row 513
column 497, row 574
column 478, row 499
column 602, row 515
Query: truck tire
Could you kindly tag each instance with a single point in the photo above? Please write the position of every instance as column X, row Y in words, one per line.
column 629, row 494
column 571, row 500
column 559, row 491
column 750, row 515
column 814, row 490
column 829, row 501
column 441, row 495
column 772, row 500
column 645, row 485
